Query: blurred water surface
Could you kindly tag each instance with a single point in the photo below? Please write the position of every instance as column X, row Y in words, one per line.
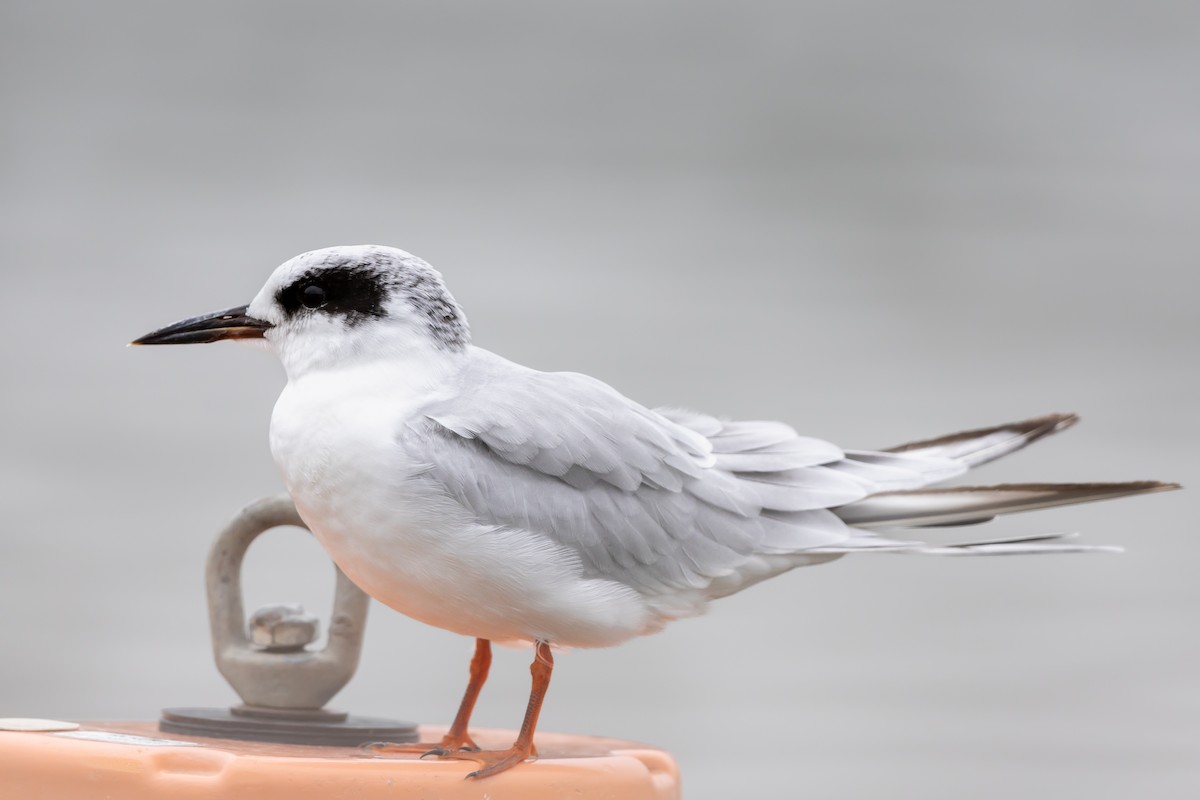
column 877, row 221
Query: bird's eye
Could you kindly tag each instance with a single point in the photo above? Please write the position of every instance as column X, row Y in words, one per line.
column 312, row 296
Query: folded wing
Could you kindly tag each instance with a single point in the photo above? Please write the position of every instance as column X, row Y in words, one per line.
column 657, row 501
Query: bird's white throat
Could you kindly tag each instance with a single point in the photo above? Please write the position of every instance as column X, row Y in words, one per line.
column 394, row 350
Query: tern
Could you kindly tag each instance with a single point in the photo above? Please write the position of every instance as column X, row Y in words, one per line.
column 545, row 508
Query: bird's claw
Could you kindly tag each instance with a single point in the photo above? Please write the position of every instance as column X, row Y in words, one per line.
column 447, row 747
column 492, row 762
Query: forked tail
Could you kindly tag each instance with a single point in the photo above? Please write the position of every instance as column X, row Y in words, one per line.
column 926, row 507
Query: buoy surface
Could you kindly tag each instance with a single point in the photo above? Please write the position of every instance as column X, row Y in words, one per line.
column 135, row 761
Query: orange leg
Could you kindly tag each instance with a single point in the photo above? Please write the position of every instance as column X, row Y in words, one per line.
column 456, row 739
column 497, row 761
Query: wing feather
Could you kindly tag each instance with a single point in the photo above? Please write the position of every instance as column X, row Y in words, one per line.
column 644, row 498
column 666, row 500
column 802, row 489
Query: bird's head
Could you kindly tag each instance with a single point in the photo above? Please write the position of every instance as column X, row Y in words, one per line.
column 338, row 306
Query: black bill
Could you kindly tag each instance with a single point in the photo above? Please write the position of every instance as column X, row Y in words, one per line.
column 232, row 323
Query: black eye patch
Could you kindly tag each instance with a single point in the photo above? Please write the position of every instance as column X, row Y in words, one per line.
column 352, row 292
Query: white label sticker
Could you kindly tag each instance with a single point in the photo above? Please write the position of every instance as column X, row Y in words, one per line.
column 126, row 738
column 36, row 725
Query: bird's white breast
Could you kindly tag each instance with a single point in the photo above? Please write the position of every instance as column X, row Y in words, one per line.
column 410, row 546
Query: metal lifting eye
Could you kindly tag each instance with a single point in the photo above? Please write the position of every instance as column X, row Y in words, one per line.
column 312, row 296
column 283, row 681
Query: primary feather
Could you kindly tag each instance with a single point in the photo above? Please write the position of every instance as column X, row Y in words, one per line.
column 967, row 505
column 982, row 445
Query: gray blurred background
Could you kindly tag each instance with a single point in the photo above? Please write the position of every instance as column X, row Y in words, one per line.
column 932, row 216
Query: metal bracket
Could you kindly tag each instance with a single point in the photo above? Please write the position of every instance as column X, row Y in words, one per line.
column 283, row 685
column 269, row 676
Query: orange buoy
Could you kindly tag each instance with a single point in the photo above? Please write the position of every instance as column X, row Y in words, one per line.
column 135, row 761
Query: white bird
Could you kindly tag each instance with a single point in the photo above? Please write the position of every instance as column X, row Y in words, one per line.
column 513, row 505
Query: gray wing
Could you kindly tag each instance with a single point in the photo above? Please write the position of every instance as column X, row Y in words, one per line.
column 657, row 500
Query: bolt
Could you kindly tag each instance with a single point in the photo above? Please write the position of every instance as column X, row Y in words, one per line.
column 283, row 627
